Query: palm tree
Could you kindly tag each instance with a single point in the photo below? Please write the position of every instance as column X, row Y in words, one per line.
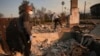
column 62, row 3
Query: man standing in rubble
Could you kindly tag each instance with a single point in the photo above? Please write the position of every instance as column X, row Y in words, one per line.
column 56, row 20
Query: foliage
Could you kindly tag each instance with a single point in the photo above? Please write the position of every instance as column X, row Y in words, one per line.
column 1, row 15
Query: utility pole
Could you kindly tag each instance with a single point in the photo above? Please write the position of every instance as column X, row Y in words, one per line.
column 84, row 9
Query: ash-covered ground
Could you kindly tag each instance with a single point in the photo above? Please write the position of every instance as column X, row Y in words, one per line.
column 65, row 41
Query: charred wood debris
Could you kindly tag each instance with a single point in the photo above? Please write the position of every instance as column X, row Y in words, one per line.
column 78, row 45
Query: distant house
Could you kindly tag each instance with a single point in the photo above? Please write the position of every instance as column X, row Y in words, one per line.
column 95, row 11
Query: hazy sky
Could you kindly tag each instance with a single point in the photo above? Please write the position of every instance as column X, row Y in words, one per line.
column 10, row 7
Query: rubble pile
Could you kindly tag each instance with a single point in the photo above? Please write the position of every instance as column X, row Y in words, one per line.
column 56, row 48
column 70, row 47
column 61, row 48
column 40, row 29
column 41, row 42
column 44, row 29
